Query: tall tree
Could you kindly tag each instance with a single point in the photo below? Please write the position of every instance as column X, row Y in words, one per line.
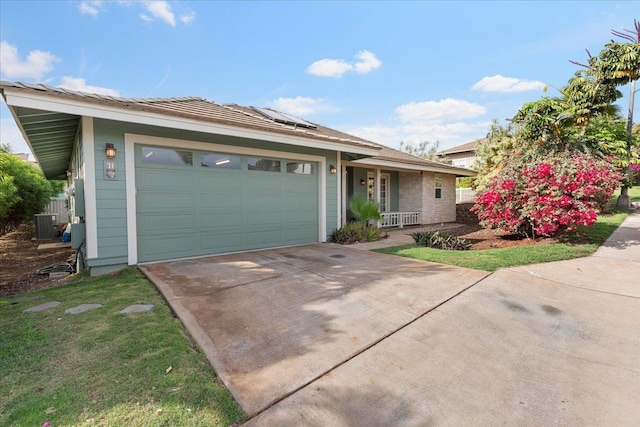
column 425, row 149
column 616, row 65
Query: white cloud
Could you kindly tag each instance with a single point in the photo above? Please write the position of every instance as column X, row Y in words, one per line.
column 446, row 109
column 188, row 17
column 329, row 68
column 368, row 62
column 146, row 18
column 300, row 105
column 37, row 64
column 160, row 10
column 504, row 84
column 337, row 67
column 90, row 7
column 80, row 85
column 450, row 121
column 448, row 134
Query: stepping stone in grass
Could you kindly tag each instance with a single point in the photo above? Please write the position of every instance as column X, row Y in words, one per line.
column 42, row 307
column 82, row 308
column 27, row 299
column 137, row 308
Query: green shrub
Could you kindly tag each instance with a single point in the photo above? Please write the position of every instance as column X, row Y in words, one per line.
column 438, row 240
column 363, row 210
column 371, row 234
column 353, row 232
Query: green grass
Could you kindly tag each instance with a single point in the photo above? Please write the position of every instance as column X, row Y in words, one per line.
column 105, row 367
column 573, row 245
column 634, row 194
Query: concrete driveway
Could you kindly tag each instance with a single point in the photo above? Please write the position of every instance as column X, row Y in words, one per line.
column 273, row 321
column 330, row 335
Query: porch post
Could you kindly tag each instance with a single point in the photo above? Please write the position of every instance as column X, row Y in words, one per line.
column 376, row 183
column 343, row 195
column 339, row 188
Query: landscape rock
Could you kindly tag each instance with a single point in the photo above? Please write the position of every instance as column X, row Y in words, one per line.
column 82, row 308
column 137, row 308
column 42, row 307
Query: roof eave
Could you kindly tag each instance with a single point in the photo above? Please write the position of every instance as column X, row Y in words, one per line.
column 25, row 98
column 396, row 164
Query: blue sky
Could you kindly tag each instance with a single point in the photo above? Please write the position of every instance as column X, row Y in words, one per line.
column 386, row 71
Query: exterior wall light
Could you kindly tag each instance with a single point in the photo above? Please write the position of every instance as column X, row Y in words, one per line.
column 333, row 170
column 362, row 182
column 110, row 151
column 69, row 173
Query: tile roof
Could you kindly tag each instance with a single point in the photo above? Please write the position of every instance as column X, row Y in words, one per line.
column 226, row 114
column 469, row 146
column 198, row 109
column 391, row 154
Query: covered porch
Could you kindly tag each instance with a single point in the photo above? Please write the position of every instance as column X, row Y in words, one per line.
column 383, row 187
column 410, row 190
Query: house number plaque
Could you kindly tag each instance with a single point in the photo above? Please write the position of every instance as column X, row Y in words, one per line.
column 109, row 170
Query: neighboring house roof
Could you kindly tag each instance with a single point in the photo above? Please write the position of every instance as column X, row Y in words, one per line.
column 389, row 156
column 468, row 147
column 49, row 118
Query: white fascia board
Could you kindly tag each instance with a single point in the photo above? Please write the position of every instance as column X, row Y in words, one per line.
column 408, row 166
column 24, row 135
column 61, row 105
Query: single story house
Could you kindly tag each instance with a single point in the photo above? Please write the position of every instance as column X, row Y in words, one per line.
column 462, row 156
column 168, row 178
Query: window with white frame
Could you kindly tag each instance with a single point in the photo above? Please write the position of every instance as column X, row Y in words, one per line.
column 438, row 187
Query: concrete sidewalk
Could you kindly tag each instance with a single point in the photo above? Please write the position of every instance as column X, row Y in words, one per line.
column 547, row 344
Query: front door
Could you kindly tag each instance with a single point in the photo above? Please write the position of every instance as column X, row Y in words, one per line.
column 384, row 190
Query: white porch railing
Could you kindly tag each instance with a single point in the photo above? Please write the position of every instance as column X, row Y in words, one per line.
column 399, row 219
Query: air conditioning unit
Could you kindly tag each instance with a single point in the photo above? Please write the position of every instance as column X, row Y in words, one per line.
column 46, row 226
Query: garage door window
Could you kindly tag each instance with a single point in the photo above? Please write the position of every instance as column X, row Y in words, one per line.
column 262, row 164
column 166, row 156
column 300, row 168
column 221, row 161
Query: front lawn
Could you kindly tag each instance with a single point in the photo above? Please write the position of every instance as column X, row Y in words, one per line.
column 574, row 245
column 102, row 367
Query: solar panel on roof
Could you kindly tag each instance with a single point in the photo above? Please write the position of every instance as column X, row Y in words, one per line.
column 283, row 118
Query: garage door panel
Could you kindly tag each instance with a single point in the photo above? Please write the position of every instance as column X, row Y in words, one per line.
column 220, row 221
column 220, row 180
column 162, row 201
column 264, row 218
column 211, row 202
column 168, row 245
column 167, row 223
column 187, row 211
column 261, row 182
column 263, row 238
column 223, row 242
column 164, row 179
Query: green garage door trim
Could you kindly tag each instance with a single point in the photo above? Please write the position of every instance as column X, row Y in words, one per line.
column 184, row 211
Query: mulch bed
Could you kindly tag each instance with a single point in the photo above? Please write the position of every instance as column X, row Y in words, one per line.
column 483, row 238
column 20, row 261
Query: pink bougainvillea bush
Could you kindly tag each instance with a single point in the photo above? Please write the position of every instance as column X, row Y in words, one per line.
column 544, row 197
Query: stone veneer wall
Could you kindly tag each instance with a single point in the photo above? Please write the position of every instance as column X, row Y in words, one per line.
column 410, row 192
column 438, row 210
